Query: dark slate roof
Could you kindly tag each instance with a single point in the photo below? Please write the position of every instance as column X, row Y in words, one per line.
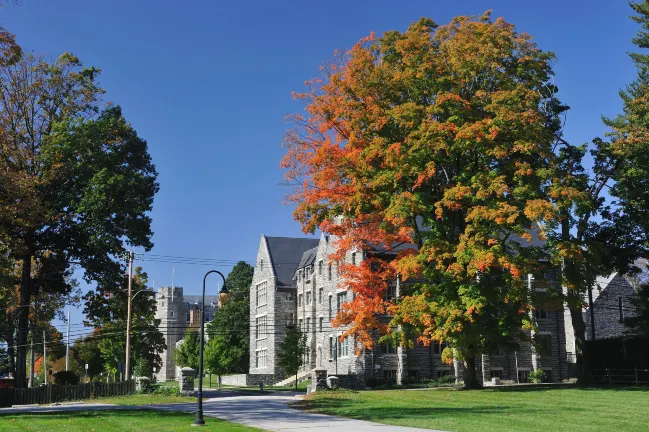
column 308, row 258
column 285, row 255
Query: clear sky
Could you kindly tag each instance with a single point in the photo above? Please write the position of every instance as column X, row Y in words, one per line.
column 208, row 83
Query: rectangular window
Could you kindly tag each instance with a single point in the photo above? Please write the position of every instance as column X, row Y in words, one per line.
column 290, row 296
column 331, row 347
column 260, row 358
column 299, row 300
column 262, row 294
column 523, row 376
column 261, row 327
column 341, row 298
column 320, row 295
column 496, row 374
column 299, row 324
column 320, row 268
column 290, row 319
column 308, row 324
column 438, row 347
column 308, row 297
column 208, row 317
column 330, row 308
column 390, row 374
column 540, row 313
column 390, row 293
column 388, row 348
column 321, row 321
column 346, row 346
column 354, row 258
column 329, row 271
column 187, row 317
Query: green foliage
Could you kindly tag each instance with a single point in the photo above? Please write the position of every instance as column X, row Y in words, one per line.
column 292, row 352
column 228, row 350
column 141, row 368
column 106, row 309
column 66, row 378
column 5, row 364
column 87, row 351
column 187, row 354
column 537, row 376
column 77, row 181
column 639, row 323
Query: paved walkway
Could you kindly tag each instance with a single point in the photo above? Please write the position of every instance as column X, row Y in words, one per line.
column 270, row 412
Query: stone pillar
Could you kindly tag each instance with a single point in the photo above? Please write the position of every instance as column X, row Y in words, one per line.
column 318, row 380
column 187, row 381
column 142, row 383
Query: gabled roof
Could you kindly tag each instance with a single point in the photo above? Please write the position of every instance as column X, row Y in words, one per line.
column 285, row 255
column 308, row 258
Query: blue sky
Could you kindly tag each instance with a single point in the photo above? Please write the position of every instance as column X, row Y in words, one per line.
column 208, row 84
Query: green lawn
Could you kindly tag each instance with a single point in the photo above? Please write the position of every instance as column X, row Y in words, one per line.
column 108, row 421
column 503, row 409
column 143, row 399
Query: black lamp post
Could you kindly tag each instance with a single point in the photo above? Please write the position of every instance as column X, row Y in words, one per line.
column 224, row 295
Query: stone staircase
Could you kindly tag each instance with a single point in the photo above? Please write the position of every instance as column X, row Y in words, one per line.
column 302, row 376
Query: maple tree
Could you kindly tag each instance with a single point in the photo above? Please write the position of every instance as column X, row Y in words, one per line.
column 439, row 137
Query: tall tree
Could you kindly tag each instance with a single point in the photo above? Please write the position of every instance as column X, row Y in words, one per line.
column 230, row 328
column 87, row 352
column 440, row 137
column 291, row 355
column 603, row 221
column 76, row 182
column 187, row 354
column 106, row 309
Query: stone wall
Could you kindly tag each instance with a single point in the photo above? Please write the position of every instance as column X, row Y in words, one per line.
column 248, row 379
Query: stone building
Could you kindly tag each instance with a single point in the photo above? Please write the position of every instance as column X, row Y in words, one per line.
column 295, row 282
column 176, row 313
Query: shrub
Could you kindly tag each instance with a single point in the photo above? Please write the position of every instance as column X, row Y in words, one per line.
column 537, row 376
column 66, row 378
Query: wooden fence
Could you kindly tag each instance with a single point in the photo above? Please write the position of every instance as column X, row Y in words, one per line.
column 621, row 376
column 47, row 394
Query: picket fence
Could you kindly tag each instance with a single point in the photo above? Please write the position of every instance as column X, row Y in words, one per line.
column 47, row 394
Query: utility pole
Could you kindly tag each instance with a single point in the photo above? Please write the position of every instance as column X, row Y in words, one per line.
column 67, row 346
column 127, row 373
column 31, row 369
column 44, row 360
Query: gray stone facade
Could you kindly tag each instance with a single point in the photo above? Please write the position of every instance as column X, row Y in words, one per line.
column 176, row 313
column 312, row 298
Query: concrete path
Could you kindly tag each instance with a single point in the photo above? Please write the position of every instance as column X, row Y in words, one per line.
column 270, row 412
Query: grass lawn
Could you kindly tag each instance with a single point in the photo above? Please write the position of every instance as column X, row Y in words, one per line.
column 108, row 421
column 300, row 387
column 548, row 408
column 142, row 399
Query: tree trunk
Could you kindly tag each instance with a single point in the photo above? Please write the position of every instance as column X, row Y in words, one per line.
column 296, row 381
column 23, row 322
column 470, row 376
column 579, row 328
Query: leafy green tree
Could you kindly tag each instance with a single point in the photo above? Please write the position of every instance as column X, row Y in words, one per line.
column 230, row 328
column 106, row 309
column 292, row 352
column 187, row 354
column 77, row 181
column 142, row 368
column 87, row 351
column 221, row 358
column 5, row 364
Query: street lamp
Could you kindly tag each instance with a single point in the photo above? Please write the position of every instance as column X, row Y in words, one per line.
column 224, row 296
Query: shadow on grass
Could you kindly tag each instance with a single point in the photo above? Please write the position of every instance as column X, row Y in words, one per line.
column 543, row 388
column 64, row 415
